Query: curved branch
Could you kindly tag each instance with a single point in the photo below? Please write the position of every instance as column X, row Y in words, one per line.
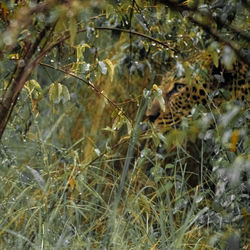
column 180, row 7
column 67, row 36
column 98, row 91
column 22, row 73
column 217, row 36
column 31, row 64
column 137, row 34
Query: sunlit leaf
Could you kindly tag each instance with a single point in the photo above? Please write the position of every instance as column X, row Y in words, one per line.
column 80, row 50
column 14, row 56
column 37, row 176
column 109, row 10
column 228, row 57
column 72, row 182
column 55, row 92
column 111, row 66
column 72, row 30
column 159, row 97
column 234, row 140
column 65, row 94
column 34, row 88
column 103, row 67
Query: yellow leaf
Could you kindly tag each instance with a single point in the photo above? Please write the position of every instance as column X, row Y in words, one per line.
column 55, row 92
column 72, row 183
column 65, row 94
column 109, row 10
column 155, row 87
column 79, row 51
column 72, row 30
column 60, row 25
column 14, row 56
column 234, row 140
column 34, row 88
column 111, row 66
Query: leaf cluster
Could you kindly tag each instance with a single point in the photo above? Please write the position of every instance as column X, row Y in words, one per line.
column 78, row 168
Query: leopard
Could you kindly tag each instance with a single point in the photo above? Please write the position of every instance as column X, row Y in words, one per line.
column 211, row 85
column 205, row 87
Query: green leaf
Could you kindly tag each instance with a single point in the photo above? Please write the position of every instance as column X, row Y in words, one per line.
column 188, row 73
column 213, row 49
column 112, row 68
column 58, row 92
column 72, row 30
column 160, row 9
column 215, row 57
column 79, row 54
column 159, row 97
column 103, row 67
column 228, row 57
column 80, row 50
column 65, row 94
column 169, row 165
column 60, row 25
column 55, row 92
column 119, row 120
column 109, row 10
column 34, row 88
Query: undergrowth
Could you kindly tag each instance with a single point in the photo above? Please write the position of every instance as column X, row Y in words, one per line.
column 151, row 191
column 81, row 167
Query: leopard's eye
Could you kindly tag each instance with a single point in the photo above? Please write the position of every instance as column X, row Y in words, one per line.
column 178, row 86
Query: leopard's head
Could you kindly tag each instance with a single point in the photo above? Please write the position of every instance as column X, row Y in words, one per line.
column 181, row 95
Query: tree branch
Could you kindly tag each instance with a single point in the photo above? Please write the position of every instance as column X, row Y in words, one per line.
column 220, row 38
column 98, row 91
column 181, row 7
column 23, row 71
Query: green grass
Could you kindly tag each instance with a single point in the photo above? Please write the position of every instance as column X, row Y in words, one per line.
column 128, row 197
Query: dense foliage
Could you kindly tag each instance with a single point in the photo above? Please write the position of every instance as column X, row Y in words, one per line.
column 81, row 166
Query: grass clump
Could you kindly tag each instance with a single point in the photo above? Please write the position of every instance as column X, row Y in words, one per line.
column 159, row 195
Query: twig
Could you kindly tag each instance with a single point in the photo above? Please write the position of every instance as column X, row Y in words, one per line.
column 22, row 74
column 67, row 36
column 217, row 36
column 180, row 7
column 99, row 92
column 137, row 34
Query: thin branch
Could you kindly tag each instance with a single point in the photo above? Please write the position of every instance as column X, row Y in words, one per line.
column 99, row 92
column 23, row 18
column 217, row 36
column 180, row 7
column 138, row 34
column 176, row 6
column 22, row 73
column 67, row 36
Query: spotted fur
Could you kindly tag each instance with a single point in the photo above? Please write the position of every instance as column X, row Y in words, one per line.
column 181, row 96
